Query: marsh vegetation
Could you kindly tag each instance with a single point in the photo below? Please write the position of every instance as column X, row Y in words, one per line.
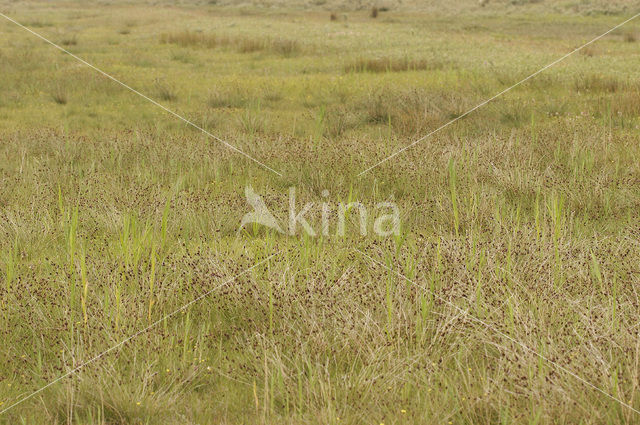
column 524, row 214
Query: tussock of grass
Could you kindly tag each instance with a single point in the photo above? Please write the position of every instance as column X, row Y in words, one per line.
column 69, row 41
column 182, row 56
column 233, row 96
column 227, row 98
column 412, row 111
column 626, row 104
column 340, row 119
column 192, row 39
column 514, row 116
column 392, row 65
column 59, row 96
column 595, row 82
column 281, row 46
column 166, row 92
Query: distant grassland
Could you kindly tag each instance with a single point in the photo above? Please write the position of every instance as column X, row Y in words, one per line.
column 523, row 214
column 437, row 7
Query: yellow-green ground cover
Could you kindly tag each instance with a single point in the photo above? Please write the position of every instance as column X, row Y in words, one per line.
column 524, row 214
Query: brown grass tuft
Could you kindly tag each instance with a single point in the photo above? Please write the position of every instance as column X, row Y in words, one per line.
column 284, row 47
column 166, row 92
column 227, row 98
column 190, row 39
column 374, row 12
column 69, row 41
column 59, row 96
column 627, row 104
column 414, row 111
column 392, row 65
column 187, row 38
column 597, row 83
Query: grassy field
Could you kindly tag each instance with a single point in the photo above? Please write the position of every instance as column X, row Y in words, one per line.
column 508, row 295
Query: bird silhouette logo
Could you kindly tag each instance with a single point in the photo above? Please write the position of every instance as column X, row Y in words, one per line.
column 260, row 214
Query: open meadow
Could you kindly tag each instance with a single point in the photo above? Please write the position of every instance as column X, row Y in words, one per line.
column 506, row 291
